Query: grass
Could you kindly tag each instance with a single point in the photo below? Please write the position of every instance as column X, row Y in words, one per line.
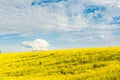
column 71, row 64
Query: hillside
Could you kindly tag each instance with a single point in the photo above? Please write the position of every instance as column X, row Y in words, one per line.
column 72, row 64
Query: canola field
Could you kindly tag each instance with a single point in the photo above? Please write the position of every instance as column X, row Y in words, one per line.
column 71, row 64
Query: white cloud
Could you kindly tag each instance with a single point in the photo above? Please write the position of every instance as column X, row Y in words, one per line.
column 13, row 48
column 18, row 16
column 22, row 18
column 38, row 44
column 105, row 1
column 110, row 3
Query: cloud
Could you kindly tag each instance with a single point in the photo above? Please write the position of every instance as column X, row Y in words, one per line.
column 110, row 3
column 42, row 2
column 73, row 20
column 38, row 44
column 13, row 48
column 19, row 17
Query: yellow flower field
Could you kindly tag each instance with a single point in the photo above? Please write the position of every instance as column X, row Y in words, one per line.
column 71, row 64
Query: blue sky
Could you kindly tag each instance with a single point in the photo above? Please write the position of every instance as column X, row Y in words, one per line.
column 62, row 23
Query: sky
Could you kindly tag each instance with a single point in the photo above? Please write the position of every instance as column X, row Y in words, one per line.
column 59, row 23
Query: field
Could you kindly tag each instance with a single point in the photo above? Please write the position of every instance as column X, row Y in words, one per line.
column 71, row 64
